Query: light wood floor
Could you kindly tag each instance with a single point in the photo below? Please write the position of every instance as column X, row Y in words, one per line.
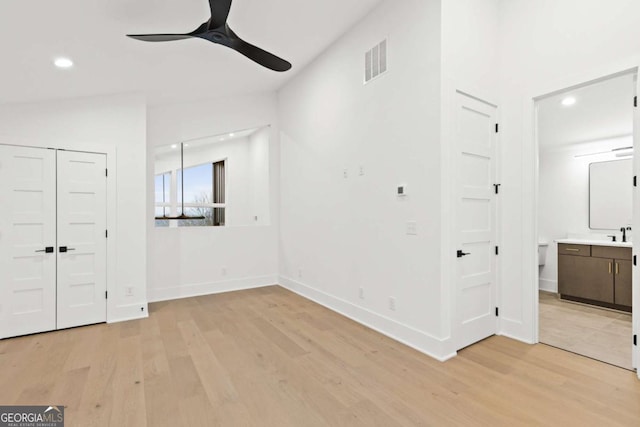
column 270, row 358
column 593, row 332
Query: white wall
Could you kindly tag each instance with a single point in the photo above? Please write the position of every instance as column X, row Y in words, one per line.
column 114, row 125
column 564, row 199
column 341, row 234
column 186, row 262
column 470, row 38
column 259, row 177
column 546, row 45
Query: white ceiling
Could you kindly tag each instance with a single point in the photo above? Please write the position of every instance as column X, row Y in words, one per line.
column 602, row 110
column 92, row 34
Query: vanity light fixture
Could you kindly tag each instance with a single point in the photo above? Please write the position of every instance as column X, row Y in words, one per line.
column 623, row 152
column 618, row 152
column 63, row 63
column 569, row 101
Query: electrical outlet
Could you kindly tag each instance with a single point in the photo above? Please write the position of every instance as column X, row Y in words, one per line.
column 345, row 174
column 224, row 271
column 392, row 304
column 300, row 273
column 361, row 293
column 361, row 170
column 129, row 291
column 412, row 228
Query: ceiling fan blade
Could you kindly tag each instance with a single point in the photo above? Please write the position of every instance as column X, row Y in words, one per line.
column 258, row 55
column 159, row 37
column 219, row 12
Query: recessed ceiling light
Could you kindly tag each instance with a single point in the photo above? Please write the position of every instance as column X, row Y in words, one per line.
column 174, row 146
column 63, row 63
column 569, row 101
column 232, row 135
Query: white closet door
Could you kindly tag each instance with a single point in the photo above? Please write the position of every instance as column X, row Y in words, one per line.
column 476, row 220
column 82, row 245
column 27, row 228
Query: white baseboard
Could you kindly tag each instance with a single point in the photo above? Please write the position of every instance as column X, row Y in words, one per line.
column 420, row 341
column 549, row 285
column 200, row 289
column 513, row 337
column 515, row 330
column 124, row 313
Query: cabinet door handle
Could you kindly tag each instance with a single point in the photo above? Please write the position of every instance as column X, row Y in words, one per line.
column 610, row 268
column 572, row 250
column 617, row 268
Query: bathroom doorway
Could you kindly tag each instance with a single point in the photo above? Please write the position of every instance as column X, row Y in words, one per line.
column 585, row 210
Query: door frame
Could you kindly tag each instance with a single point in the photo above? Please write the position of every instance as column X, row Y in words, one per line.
column 112, row 199
column 531, row 176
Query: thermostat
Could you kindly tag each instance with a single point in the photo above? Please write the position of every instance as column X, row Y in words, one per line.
column 402, row 190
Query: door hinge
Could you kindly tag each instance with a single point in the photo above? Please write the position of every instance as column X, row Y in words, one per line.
column 635, row 101
column 635, row 340
column 106, row 172
column 497, row 250
column 497, row 312
column 497, row 128
column 497, row 188
column 106, row 234
column 106, row 294
column 635, row 260
column 635, row 181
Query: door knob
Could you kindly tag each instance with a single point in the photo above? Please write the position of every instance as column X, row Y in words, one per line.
column 48, row 250
column 64, row 249
column 462, row 254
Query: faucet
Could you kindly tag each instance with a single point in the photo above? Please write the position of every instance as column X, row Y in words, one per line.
column 624, row 233
column 613, row 237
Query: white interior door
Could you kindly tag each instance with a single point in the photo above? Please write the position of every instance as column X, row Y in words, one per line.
column 27, row 229
column 82, row 245
column 475, row 139
column 636, row 233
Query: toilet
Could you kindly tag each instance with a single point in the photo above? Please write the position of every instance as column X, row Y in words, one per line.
column 542, row 252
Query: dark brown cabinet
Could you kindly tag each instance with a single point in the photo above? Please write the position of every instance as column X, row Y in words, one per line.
column 623, row 283
column 599, row 275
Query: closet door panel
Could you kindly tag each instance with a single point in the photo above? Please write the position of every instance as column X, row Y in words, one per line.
column 27, row 240
column 82, row 244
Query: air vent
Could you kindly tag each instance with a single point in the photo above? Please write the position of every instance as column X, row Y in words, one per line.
column 375, row 62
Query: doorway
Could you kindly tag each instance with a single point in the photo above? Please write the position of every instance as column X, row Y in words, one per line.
column 585, row 215
column 53, row 239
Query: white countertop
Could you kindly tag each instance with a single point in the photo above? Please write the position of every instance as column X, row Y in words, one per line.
column 595, row 242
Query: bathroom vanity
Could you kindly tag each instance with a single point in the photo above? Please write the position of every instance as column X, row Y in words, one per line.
column 595, row 272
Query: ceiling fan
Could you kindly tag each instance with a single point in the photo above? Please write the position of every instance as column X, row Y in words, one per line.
column 216, row 30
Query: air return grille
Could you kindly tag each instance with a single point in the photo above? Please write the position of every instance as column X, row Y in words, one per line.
column 375, row 62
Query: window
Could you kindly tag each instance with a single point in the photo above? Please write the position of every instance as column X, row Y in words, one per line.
column 204, row 195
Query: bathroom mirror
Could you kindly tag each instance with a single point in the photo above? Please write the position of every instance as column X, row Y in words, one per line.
column 610, row 194
column 224, row 181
